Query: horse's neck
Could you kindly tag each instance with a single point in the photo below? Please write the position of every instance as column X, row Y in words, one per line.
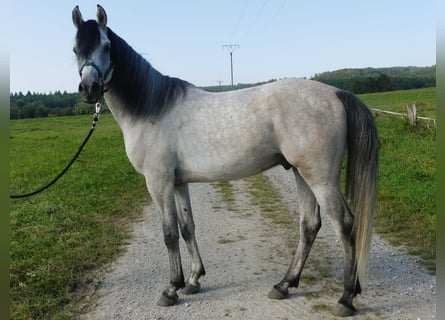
column 117, row 107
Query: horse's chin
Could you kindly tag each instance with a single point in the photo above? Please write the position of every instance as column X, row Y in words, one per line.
column 90, row 99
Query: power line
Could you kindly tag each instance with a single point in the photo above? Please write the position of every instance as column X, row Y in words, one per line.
column 231, row 48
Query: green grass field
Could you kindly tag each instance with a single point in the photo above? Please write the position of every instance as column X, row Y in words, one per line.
column 407, row 175
column 62, row 236
column 73, row 228
column 425, row 100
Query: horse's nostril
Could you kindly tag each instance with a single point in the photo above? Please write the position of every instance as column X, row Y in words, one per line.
column 81, row 87
column 94, row 87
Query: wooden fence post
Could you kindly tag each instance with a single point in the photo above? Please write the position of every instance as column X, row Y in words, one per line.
column 412, row 117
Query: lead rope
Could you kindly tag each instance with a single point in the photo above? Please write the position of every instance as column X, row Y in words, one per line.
column 49, row 184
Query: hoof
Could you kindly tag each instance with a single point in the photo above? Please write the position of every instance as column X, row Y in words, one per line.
column 278, row 293
column 340, row 310
column 191, row 288
column 167, row 300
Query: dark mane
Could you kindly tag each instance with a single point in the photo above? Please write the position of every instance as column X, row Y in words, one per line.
column 142, row 89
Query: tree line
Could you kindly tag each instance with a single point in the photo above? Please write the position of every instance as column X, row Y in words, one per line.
column 41, row 105
column 380, row 84
column 369, row 80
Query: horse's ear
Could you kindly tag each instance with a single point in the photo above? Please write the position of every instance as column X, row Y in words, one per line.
column 77, row 17
column 101, row 17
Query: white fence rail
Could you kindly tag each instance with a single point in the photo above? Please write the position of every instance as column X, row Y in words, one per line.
column 404, row 115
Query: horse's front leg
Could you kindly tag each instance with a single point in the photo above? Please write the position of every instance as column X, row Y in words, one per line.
column 163, row 195
column 187, row 227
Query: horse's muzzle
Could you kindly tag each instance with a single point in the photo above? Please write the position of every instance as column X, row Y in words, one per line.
column 90, row 92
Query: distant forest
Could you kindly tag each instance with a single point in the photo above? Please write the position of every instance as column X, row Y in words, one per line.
column 368, row 80
column 365, row 80
column 40, row 105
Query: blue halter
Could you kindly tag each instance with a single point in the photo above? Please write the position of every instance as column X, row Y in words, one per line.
column 103, row 78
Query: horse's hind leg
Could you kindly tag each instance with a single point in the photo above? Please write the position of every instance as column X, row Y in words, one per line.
column 333, row 204
column 310, row 223
column 187, row 227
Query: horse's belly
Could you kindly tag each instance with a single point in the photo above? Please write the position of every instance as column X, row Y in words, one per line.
column 228, row 167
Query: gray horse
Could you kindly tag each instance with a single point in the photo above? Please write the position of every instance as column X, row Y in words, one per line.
column 176, row 133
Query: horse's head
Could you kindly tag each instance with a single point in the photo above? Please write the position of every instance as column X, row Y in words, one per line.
column 92, row 49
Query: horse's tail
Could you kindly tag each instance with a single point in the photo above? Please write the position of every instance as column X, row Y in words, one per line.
column 361, row 176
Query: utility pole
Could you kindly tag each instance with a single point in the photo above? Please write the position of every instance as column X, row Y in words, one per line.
column 231, row 48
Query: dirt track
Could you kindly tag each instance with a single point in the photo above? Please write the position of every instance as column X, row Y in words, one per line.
column 244, row 256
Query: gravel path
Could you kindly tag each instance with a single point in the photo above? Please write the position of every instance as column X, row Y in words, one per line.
column 239, row 251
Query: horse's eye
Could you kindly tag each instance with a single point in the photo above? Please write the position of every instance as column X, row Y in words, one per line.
column 75, row 51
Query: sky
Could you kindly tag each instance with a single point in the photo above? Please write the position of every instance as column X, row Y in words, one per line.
column 184, row 39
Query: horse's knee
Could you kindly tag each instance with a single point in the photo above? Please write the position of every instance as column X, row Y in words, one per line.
column 171, row 238
column 310, row 229
column 187, row 231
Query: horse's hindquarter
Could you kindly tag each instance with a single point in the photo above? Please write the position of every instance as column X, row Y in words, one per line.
column 236, row 134
column 312, row 130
